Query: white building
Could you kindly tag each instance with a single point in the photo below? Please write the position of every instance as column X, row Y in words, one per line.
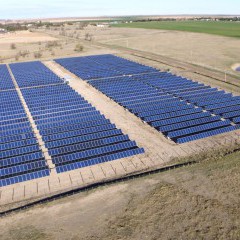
column 2, row 31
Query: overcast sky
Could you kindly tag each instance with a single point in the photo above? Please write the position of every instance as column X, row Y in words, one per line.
column 82, row 8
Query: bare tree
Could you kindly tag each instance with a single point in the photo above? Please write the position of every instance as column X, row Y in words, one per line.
column 37, row 54
column 88, row 37
column 13, row 46
column 82, row 25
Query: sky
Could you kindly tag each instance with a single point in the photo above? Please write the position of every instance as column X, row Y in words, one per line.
column 16, row 9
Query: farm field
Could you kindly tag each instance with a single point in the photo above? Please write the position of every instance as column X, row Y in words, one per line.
column 228, row 29
column 204, row 197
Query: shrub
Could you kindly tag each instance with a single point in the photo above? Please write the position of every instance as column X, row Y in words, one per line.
column 78, row 48
column 52, row 44
column 37, row 55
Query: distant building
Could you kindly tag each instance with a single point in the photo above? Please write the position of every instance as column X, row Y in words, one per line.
column 2, row 31
column 115, row 22
column 103, row 25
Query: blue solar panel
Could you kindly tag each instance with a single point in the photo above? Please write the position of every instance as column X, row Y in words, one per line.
column 21, row 169
column 77, row 125
column 24, row 177
column 236, row 120
column 17, row 144
column 18, row 160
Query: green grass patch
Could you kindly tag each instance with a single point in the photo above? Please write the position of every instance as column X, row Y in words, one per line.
column 228, row 29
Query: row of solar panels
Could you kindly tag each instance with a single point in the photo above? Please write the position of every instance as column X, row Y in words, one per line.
column 20, row 155
column 6, row 82
column 172, row 104
column 102, row 66
column 30, row 74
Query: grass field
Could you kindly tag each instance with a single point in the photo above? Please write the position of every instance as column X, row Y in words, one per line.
column 229, row 29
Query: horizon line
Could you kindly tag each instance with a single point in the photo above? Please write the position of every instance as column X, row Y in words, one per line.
column 117, row 16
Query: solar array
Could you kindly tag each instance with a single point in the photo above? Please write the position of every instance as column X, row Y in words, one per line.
column 20, row 156
column 6, row 82
column 30, row 74
column 75, row 133
column 181, row 109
